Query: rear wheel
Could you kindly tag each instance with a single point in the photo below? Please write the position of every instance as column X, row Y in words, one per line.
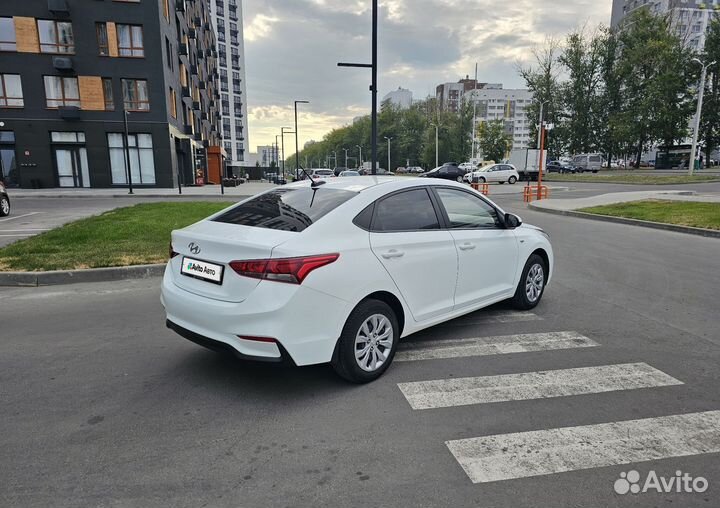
column 531, row 287
column 459, row 179
column 481, row 179
column 4, row 206
column 512, row 180
column 368, row 342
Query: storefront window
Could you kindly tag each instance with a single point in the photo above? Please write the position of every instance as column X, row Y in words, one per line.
column 142, row 162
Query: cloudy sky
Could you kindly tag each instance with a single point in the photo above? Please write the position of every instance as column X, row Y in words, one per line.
column 292, row 48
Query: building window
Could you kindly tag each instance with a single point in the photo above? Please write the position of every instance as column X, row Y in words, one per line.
column 7, row 35
column 130, row 41
column 108, row 94
column 172, row 103
column 142, row 163
column 102, row 39
column 60, row 91
column 135, row 95
column 169, row 53
column 55, row 36
column 11, row 95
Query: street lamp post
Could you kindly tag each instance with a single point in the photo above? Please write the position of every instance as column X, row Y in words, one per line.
column 127, row 150
column 297, row 146
column 437, row 149
column 361, row 159
column 282, row 136
column 698, row 115
column 388, row 140
column 373, row 86
column 346, row 158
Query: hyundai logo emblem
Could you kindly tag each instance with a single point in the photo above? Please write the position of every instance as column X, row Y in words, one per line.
column 194, row 248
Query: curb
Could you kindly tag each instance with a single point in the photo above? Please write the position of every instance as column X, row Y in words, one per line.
column 708, row 233
column 59, row 277
column 132, row 196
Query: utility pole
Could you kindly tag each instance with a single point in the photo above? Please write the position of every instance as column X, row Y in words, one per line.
column 346, row 158
column 361, row 159
column 127, row 151
column 282, row 136
column 388, row 140
column 474, row 134
column 297, row 146
column 373, row 86
column 437, row 149
column 698, row 114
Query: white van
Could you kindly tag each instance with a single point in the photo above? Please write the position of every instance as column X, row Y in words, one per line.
column 587, row 162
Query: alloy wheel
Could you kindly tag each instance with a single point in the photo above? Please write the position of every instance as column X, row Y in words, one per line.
column 373, row 342
column 5, row 206
column 534, row 282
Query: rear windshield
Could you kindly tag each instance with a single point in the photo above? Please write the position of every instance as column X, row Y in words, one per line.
column 286, row 209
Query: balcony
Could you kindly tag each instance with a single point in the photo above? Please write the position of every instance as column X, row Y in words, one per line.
column 58, row 7
column 69, row 113
column 204, row 116
column 202, row 85
column 196, row 105
column 193, row 69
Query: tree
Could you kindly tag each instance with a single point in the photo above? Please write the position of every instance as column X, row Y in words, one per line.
column 494, row 141
column 710, row 121
column 654, row 67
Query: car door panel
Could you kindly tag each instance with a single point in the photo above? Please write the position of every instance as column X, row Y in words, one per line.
column 419, row 256
column 487, row 252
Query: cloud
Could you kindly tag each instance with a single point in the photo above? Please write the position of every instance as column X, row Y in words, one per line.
column 292, row 48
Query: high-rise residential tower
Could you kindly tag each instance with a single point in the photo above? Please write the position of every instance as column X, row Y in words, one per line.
column 228, row 22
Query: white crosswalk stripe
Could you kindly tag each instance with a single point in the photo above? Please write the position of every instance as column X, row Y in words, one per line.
column 533, row 385
column 543, row 452
column 506, row 316
column 482, row 346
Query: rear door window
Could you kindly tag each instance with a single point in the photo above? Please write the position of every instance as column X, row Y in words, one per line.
column 286, row 209
column 407, row 211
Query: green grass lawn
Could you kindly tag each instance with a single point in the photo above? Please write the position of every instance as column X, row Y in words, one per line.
column 684, row 213
column 632, row 179
column 135, row 235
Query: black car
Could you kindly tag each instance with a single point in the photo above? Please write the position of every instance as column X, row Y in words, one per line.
column 448, row 171
column 339, row 170
column 4, row 201
column 560, row 167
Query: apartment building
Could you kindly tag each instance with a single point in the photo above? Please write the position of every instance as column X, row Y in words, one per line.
column 228, row 22
column 450, row 95
column 401, row 98
column 72, row 72
column 507, row 105
column 690, row 17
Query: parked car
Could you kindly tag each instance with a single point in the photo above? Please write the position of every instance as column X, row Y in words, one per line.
column 494, row 173
column 341, row 272
column 587, row 162
column 339, row 170
column 415, row 170
column 468, row 166
column 448, row 171
column 349, row 173
column 560, row 167
column 4, row 201
column 322, row 173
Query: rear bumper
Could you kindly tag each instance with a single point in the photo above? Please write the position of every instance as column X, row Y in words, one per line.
column 305, row 323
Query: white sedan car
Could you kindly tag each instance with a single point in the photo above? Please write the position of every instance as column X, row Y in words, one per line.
column 494, row 173
column 339, row 272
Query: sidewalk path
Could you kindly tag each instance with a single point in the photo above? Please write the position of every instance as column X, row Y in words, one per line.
column 571, row 206
column 247, row 189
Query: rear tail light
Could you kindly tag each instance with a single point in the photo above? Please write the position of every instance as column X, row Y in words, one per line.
column 290, row 270
column 171, row 252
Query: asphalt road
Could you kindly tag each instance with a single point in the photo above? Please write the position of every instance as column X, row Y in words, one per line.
column 102, row 406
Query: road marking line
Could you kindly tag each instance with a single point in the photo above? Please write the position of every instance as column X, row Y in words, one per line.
column 20, row 216
column 483, row 346
column 510, row 316
column 544, row 452
column 533, row 385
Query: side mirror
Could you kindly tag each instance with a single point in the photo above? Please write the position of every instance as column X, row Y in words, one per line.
column 512, row 221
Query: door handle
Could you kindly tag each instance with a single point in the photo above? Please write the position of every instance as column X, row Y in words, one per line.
column 393, row 253
column 467, row 246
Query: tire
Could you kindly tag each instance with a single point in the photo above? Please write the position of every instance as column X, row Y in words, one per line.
column 595, row 171
column 357, row 326
column 4, row 206
column 512, row 180
column 459, row 179
column 501, row 183
column 526, row 296
column 481, row 179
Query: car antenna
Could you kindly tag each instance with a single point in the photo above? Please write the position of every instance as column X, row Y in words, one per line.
column 313, row 184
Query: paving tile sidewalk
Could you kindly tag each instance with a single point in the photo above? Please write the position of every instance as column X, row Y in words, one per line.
column 247, row 189
column 622, row 197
